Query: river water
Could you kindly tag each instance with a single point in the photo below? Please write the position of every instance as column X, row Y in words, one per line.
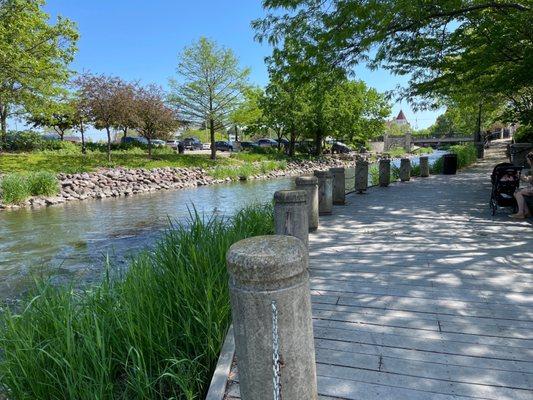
column 71, row 241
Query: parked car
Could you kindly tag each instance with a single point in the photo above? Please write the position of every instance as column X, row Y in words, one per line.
column 248, row 145
column 340, row 148
column 306, row 147
column 267, row 143
column 192, row 144
column 284, row 142
column 224, row 146
column 206, row 146
column 173, row 144
column 157, row 142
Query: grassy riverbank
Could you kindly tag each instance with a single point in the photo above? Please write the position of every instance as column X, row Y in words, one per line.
column 155, row 334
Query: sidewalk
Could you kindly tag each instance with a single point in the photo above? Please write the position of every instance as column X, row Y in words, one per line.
column 419, row 293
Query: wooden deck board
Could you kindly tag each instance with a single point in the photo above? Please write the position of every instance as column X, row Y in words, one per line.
column 418, row 293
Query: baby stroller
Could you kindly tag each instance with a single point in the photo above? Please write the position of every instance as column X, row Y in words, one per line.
column 505, row 180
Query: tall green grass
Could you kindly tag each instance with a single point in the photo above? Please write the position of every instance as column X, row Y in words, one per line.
column 154, row 334
column 14, row 188
column 245, row 171
column 43, row 184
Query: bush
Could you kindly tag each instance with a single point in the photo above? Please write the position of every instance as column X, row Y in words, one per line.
column 23, row 141
column 14, row 188
column 43, row 184
column 61, row 147
column 524, row 134
column 415, row 170
column 373, row 171
column 436, row 167
column 155, row 334
column 466, row 154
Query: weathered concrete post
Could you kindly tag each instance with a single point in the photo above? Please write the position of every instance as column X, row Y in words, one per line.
column 424, row 166
column 384, row 172
column 339, row 185
column 405, row 169
column 361, row 176
column 271, row 309
column 325, row 192
column 290, row 214
column 480, row 149
column 310, row 185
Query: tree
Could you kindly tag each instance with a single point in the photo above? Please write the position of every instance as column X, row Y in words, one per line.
column 153, row 119
column 34, row 56
column 210, row 85
column 355, row 113
column 98, row 94
column 286, row 109
column 447, row 47
column 248, row 115
column 124, row 105
column 58, row 115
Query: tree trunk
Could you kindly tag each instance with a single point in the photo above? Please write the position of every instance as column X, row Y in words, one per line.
column 292, row 143
column 236, row 134
column 82, row 132
column 108, row 143
column 212, row 135
column 125, row 130
column 318, row 142
column 477, row 136
column 149, row 148
column 279, row 135
column 3, row 124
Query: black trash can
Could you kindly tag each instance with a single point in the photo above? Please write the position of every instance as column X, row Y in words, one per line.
column 449, row 165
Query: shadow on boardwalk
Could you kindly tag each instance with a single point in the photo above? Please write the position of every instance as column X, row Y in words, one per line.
column 419, row 293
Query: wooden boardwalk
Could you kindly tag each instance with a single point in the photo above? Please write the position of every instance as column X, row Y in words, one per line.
column 419, row 293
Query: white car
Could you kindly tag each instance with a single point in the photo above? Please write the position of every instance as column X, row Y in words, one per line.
column 206, row 146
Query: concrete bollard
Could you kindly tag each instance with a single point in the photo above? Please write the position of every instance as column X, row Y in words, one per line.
column 361, row 176
column 384, row 172
column 290, row 214
column 325, row 192
column 424, row 166
column 405, row 169
column 271, row 309
column 480, row 149
column 339, row 185
column 310, row 185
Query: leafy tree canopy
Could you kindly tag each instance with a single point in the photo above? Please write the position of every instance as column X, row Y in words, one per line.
column 34, row 55
column 209, row 86
column 446, row 47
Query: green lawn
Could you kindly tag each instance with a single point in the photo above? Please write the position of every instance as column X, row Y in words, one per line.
column 72, row 163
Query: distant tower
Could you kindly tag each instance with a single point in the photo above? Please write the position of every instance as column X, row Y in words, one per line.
column 400, row 119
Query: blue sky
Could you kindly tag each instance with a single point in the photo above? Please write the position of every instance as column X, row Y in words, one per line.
column 139, row 39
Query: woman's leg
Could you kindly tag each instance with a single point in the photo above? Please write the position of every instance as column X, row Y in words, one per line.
column 523, row 209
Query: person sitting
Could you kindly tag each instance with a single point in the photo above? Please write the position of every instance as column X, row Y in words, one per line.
column 527, row 177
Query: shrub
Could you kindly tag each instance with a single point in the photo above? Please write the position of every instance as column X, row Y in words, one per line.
column 415, row 169
column 396, row 152
column 43, row 184
column 394, row 173
column 23, row 141
column 373, row 171
column 61, row 147
column 436, row 167
column 155, row 334
column 524, row 134
column 14, row 188
column 466, row 154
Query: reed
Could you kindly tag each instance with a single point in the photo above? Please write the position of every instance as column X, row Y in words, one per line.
column 155, row 333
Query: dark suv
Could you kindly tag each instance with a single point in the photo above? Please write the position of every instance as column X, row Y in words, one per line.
column 224, row 146
column 192, row 144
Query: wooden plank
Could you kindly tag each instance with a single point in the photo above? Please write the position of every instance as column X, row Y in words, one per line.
column 424, row 369
column 434, row 386
column 416, row 342
column 420, row 355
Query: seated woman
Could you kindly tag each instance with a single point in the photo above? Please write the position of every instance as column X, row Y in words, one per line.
column 527, row 177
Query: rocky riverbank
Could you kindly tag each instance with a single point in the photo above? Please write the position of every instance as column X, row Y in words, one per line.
column 119, row 182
